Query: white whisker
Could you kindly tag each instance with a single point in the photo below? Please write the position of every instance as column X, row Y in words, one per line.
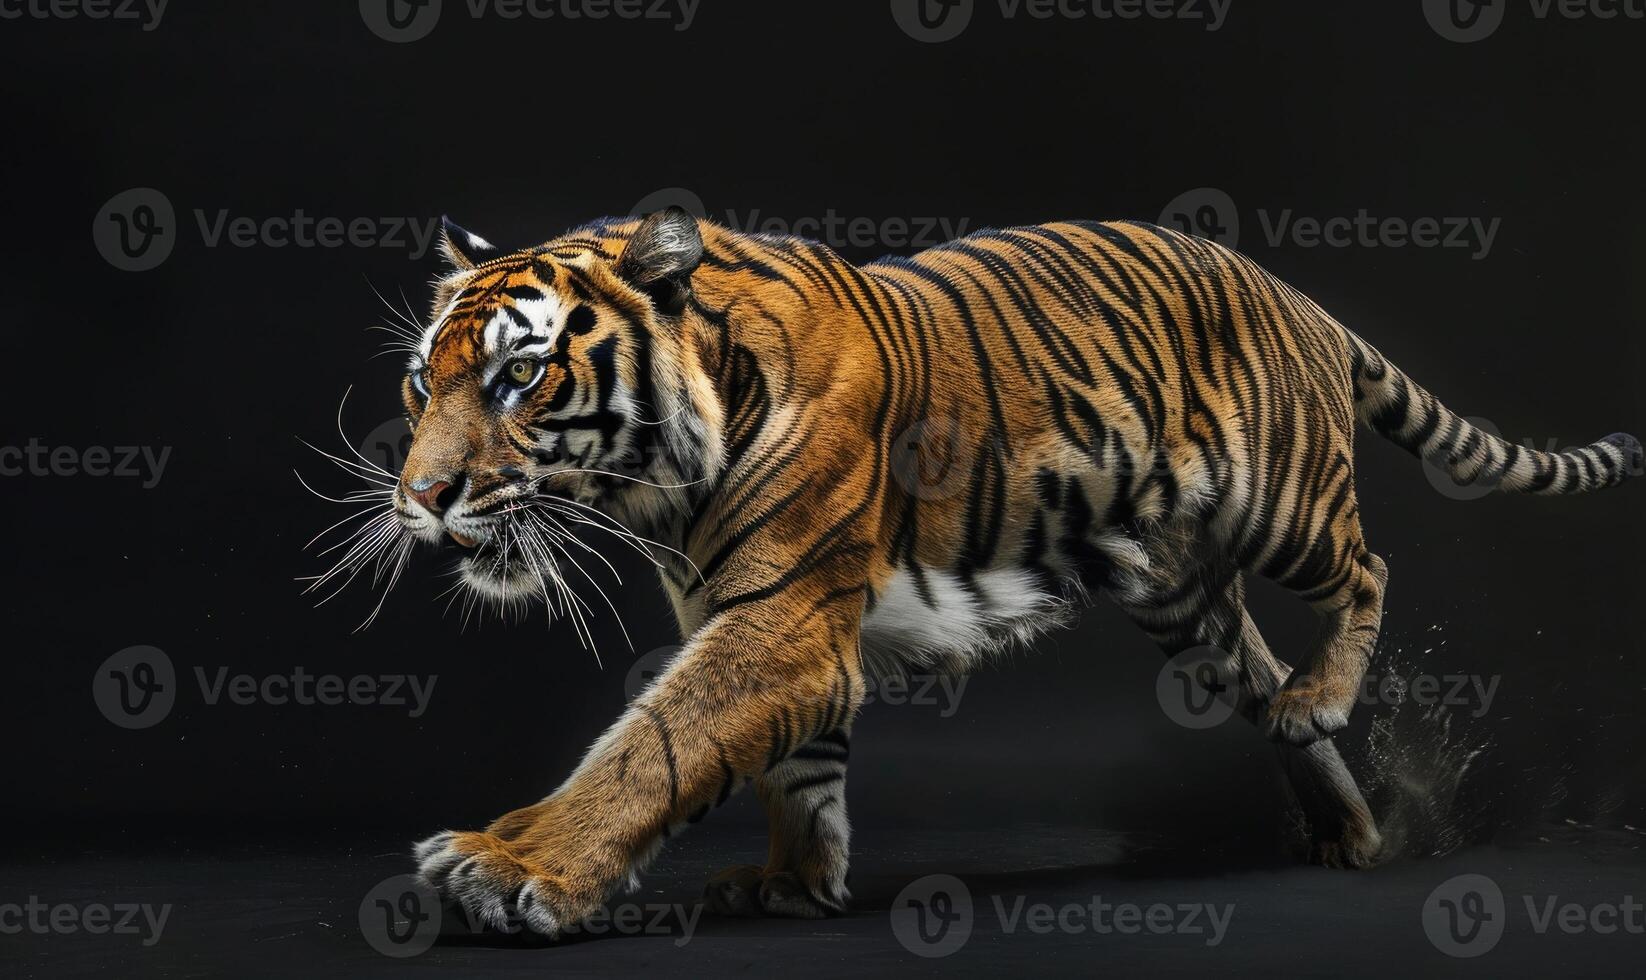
column 353, row 498
column 344, row 436
column 371, row 474
column 674, row 415
column 356, row 560
column 625, row 476
column 401, row 553
column 362, row 513
column 409, row 321
column 621, row 530
column 615, row 614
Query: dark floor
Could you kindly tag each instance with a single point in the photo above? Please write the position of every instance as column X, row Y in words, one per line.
column 298, row 913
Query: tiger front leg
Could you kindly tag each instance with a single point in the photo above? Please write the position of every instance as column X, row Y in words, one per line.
column 745, row 695
column 805, row 872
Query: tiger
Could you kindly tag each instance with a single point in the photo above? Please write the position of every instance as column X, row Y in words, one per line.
column 912, row 464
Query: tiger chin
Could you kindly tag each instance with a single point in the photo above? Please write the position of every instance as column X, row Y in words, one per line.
column 1094, row 408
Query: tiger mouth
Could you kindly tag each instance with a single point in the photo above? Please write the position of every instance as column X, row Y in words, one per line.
column 487, row 568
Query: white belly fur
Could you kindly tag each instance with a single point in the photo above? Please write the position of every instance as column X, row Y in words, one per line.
column 961, row 625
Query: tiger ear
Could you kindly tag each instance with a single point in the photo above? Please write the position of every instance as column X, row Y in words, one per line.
column 661, row 256
column 463, row 249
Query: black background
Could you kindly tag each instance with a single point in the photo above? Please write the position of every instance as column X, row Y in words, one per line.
column 521, row 129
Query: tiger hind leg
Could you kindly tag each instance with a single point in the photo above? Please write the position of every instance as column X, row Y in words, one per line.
column 1209, row 611
column 1316, row 699
column 805, row 873
column 1341, row 829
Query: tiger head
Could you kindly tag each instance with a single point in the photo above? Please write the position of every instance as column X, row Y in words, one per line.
column 551, row 391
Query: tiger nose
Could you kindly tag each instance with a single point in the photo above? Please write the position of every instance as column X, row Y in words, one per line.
column 435, row 494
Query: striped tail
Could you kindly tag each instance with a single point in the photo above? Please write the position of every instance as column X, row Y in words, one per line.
column 1399, row 409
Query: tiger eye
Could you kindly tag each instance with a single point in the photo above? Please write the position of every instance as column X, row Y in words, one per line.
column 521, row 371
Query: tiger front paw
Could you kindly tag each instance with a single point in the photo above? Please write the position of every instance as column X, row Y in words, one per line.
column 497, row 887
